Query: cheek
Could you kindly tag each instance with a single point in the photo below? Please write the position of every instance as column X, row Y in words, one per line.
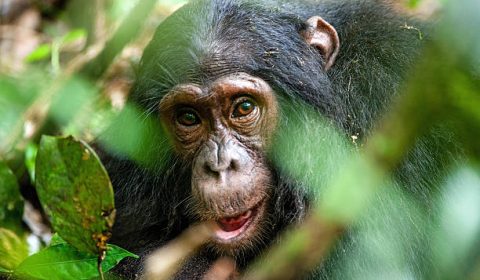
column 186, row 142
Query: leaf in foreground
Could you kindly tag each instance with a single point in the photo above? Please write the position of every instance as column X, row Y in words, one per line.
column 76, row 193
column 63, row 261
column 13, row 250
column 11, row 202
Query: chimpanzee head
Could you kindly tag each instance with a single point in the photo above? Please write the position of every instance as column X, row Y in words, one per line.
column 215, row 76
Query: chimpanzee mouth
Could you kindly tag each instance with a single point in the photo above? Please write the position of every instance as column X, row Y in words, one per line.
column 231, row 229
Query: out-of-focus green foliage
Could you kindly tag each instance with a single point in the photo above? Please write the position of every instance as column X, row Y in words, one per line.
column 458, row 230
column 74, row 98
column 30, row 157
column 76, row 193
column 15, row 97
column 11, row 202
column 41, row 52
column 44, row 51
column 64, row 262
column 137, row 136
column 13, row 249
column 390, row 225
column 303, row 129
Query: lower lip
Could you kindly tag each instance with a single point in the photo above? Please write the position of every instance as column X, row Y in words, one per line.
column 230, row 235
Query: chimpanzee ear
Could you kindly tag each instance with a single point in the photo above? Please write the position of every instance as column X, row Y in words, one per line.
column 324, row 37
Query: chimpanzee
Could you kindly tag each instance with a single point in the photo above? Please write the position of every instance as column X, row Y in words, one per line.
column 218, row 77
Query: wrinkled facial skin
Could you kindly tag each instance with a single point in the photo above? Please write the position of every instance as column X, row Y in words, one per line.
column 223, row 128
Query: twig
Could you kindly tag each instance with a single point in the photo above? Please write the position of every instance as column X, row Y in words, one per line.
column 166, row 261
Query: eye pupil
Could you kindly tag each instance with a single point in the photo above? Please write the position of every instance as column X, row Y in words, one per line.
column 243, row 109
column 246, row 106
column 188, row 119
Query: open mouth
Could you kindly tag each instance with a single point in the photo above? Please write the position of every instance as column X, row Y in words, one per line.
column 229, row 228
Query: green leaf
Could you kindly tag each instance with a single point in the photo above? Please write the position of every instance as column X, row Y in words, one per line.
column 413, row 3
column 76, row 192
column 11, row 202
column 30, row 155
column 63, row 261
column 74, row 35
column 13, row 250
column 56, row 240
column 42, row 52
column 73, row 98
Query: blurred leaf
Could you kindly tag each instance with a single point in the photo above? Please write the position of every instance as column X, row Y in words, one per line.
column 13, row 250
column 457, row 238
column 63, row 261
column 30, row 156
column 74, row 35
column 345, row 190
column 303, row 129
column 75, row 95
column 76, row 192
column 16, row 95
column 384, row 242
column 138, row 137
column 413, row 3
column 11, row 202
column 42, row 52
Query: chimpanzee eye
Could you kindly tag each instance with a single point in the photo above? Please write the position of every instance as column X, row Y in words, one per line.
column 188, row 118
column 243, row 108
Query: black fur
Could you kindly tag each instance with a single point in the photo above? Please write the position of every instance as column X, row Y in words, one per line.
column 207, row 39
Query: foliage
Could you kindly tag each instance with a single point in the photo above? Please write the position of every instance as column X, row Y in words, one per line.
column 77, row 195
column 12, row 209
column 69, row 263
column 12, row 249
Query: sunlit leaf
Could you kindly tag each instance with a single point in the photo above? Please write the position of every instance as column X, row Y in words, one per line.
column 76, row 192
column 13, row 249
column 74, row 35
column 413, row 3
column 30, row 156
column 63, row 261
column 42, row 52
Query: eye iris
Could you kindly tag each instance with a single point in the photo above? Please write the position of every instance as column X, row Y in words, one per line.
column 188, row 119
column 245, row 108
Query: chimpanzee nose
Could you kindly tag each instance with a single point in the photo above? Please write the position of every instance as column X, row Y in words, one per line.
column 221, row 158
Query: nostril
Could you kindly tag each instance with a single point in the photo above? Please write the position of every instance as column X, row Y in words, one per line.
column 216, row 169
column 234, row 165
column 210, row 171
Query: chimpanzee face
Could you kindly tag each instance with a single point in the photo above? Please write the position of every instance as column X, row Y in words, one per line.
column 222, row 128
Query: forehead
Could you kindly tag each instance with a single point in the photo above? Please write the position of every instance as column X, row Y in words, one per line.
column 224, row 87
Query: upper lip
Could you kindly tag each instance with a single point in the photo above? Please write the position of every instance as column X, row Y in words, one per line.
column 240, row 212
